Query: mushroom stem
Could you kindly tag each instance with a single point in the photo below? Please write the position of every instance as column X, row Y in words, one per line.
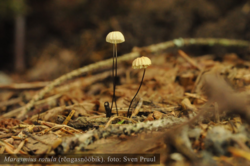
column 137, row 91
column 114, row 75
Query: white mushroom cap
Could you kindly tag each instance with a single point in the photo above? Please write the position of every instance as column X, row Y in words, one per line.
column 115, row 37
column 141, row 62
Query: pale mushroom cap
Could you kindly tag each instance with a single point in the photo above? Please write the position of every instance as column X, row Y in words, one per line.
column 141, row 62
column 115, row 37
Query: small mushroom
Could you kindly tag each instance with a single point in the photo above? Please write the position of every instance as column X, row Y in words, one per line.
column 114, row 38
column 140, row 63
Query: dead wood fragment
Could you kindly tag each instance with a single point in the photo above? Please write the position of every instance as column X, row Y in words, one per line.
column 10, row 148
column 138, row 107
column 19, row 146
column 196, row 96
column 23, row 86
column 16, row 138
column 84, row 82
column 191, row 61
column 239, row 153
column 50, row 101
column 35, row 137
column 69, row 117
column 6, row 135
column 10, row 102
column 2, row 149
column 93, row 135
column 149, row 109
column 40, row 144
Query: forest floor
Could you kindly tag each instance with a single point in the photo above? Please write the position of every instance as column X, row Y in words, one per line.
column 190, row 110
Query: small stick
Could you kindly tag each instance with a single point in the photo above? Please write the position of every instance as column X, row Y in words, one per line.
column 66, row 121
column 196, row 96
column 6, row 135
column 19, row 146
column 10, row 102
column 61, row 126
column 23, row 86
column 10, row 147
column 2, row 149
column 35, row 138
column 239, row 153
column 66, row 131
column 187, row 58
column 198, row 80
column 165, row 109
column 138, row 107
column 16, row 111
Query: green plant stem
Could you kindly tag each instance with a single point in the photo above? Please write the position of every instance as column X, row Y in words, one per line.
column 137, row 91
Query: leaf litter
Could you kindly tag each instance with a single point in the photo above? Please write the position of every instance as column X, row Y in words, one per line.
column 191, row 110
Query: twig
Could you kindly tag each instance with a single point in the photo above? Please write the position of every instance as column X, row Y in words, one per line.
column 10, row 147
column 187, row 58
column 93, row 135
column 10, row 102
column 19, row 146
column 61, row 126
column 6, row 135
column 239, row 153
column 138, row 107
column 66, row 121
column 196, row 96
column 35, row 138
column 84, row 82
column 2, row 149
column 197, row 81
column 148, row 109
column 22, row 86
column 152, row 48
column 16, row 111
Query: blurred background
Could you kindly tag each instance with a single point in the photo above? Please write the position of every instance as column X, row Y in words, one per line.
column 43, row 39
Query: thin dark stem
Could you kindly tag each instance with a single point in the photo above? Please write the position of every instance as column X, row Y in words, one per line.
column 113, row 77
column 137, row 91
